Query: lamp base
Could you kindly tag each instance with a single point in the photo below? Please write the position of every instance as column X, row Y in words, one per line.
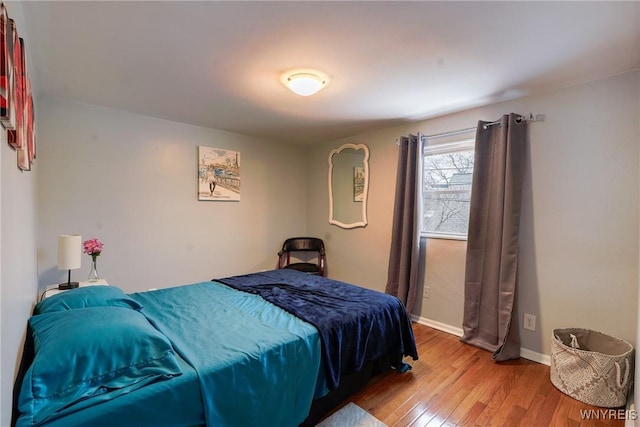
column 68, row 285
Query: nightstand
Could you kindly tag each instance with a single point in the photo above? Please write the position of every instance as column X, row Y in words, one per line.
column 53, row 289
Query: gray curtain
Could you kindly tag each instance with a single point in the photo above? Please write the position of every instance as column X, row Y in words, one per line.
column 404, row 257
column 489, row 320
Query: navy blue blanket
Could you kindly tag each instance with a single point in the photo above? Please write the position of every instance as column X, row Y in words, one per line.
column 356, row 325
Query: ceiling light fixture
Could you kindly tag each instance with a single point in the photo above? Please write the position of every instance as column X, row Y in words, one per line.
column 305, row 82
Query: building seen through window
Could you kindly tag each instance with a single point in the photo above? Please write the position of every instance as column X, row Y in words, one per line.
column 446, row 179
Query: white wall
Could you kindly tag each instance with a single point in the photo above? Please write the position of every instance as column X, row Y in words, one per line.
column 579, row 225
column 131, row 181
column 18, row 274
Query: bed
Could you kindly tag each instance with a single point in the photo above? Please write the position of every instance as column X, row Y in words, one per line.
column 251, row 350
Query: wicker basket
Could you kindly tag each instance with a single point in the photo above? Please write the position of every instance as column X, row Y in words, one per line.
column 591, row 367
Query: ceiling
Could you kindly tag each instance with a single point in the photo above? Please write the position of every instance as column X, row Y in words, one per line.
column 218, row 64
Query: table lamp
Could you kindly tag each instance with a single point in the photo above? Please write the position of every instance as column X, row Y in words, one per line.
column 69, row 257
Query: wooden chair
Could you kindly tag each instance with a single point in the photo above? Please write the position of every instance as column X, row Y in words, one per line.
column 303, row 244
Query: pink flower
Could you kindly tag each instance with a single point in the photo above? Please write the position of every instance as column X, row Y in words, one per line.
column 92, row 247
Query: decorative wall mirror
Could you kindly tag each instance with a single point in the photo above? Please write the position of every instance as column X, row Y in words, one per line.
column 348, row 185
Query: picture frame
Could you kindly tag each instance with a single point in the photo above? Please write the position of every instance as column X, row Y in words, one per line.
column 358, row 184
column 7, row 108
column 26, row 155
column 15, row 136
column 218, row 174
column 20, row 131
column 30, row 124
column 17, row 112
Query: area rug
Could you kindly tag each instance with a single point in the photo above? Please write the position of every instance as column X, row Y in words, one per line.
column 351, row 415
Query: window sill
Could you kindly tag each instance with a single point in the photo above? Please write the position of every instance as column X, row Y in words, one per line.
column 443, row 236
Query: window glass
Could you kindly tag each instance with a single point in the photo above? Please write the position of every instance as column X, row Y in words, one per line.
column 447, row 176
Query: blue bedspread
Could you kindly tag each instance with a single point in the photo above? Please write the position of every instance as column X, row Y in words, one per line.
column 356, row 325
column 257, row 364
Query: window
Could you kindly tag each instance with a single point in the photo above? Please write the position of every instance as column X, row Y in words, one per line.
column 446, row 189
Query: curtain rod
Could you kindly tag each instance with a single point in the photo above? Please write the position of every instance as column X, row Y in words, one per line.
column 438, row 135
column 529, row 117
column 523, row 118
column 455, row 132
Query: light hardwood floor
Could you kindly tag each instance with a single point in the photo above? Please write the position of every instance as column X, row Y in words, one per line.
column 455, row 384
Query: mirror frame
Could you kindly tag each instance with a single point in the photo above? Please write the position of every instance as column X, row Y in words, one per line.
column 365, row 195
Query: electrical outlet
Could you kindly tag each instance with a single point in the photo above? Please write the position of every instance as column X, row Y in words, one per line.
column 427, row 292
column 530, row 322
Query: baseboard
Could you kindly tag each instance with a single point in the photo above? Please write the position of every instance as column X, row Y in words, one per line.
column 545, row 359
column 437, row 325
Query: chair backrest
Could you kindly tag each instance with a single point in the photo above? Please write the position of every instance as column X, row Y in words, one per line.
column 300, row 244
column 303, row 244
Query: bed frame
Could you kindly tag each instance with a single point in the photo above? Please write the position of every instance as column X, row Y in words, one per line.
column 349, row 385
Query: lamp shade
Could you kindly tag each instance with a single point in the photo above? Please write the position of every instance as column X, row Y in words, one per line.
column 69, row 251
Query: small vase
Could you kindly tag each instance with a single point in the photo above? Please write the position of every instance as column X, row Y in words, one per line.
column 93, row 274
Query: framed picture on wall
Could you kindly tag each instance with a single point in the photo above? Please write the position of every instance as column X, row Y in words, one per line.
column 30, row 123
column 26, row 152
column 17, row 113
column 29, row 145
column 358, row 184
column 218, row 174
column 16, row 136
column 24, row 158
column 7, row 115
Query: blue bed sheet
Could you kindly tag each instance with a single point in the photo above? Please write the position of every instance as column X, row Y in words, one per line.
column 174, row 403
column 357, row 325
column 257, row 364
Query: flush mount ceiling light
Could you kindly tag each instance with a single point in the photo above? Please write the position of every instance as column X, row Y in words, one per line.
column 305, row 82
